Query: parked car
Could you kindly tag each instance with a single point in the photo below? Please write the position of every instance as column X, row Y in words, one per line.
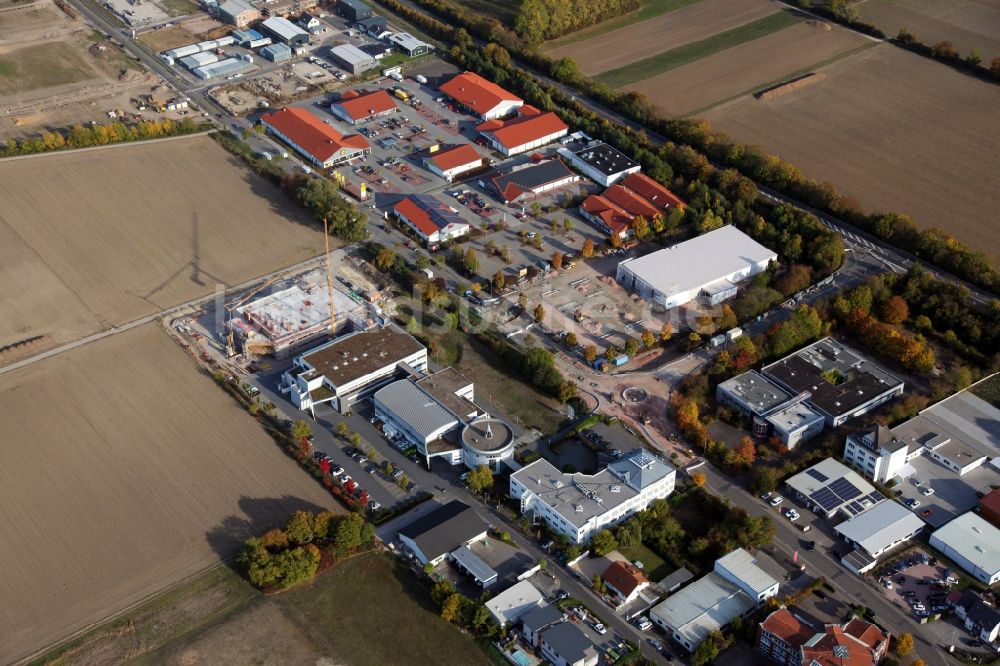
column 792, row 515
column 373, row 505
column 600, row 628
column 345, row 478
column 928, row 492
column 336, row 470
column 644, row 624
column 776, row 500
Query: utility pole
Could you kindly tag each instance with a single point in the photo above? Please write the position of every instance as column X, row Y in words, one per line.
column 329, row 276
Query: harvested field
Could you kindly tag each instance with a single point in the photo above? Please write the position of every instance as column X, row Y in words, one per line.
column 318, row 623
column 125, row 471
column 682, row 55
column 184, row 217
column 29, row 19
column 746, row 67
column 894, row 130
column 42, row 66
column 636, row 42
column 167, row 38
column 650, row 9
column 967, row 24
column 504, row 10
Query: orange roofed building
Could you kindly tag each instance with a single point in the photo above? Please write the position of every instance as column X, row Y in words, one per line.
column 356, row 109
column 484, row 98
column 786, row 639
column 626, row 580
column 312, row 138
column 529, row 130
column 451, row 161
column 636, row 194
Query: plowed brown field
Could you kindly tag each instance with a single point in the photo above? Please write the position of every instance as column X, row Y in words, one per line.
column 967, row 24
column 894, row 130
column 124, row 471
column 742, row 68
column 96, row 238
column 683, row 26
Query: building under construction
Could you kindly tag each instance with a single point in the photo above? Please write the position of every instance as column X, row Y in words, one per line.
column 295, row 312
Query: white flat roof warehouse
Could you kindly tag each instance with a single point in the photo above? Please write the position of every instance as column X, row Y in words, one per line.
column 723, row 254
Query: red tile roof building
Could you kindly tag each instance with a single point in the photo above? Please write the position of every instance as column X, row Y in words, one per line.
column 452, row 161
column 484, row 98
column 608, row 217
column 626, row 579
column 989, row 507
column 356, row 109
column 529, row 130
column 652, row 191
column 433, row 220
column 318, row 142
column 788, row 640
column 636, row 194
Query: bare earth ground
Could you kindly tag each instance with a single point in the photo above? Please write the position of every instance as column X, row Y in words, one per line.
column 894, row 130
column 31, row 67
column 125, row 471
column 365, row 611
column 167, row 38
column 742, row 68
column 703, row 19
column 95, row 238
column 967, row 24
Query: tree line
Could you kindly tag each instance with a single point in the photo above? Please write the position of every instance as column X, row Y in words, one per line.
column 281, row 558
column 690, row 143
column 538, row 20
column 80, row 136
column 320, row 196
column 845, row 13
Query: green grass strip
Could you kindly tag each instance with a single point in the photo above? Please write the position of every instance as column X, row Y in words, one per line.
column 650, row 9
column 682, row 55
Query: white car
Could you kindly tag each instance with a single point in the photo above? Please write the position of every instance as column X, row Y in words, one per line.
column 600, row 628
column 344, row 479
column 918, row 482
column 792, row 515
column 928, row 492
column 776, row 500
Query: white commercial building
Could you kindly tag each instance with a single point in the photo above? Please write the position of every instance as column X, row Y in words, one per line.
column 579, row 505
column 438, row 414
column 352, row 366
column 830, row 487
column 971, row 543
column 598, row 161
column 709, row 265
column 880, row 528
column 740, row 568
column 515, row 601
column 772, row 409
column 734, row 589
column 878, row 453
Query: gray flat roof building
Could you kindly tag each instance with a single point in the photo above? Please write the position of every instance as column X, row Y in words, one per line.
column 473, row 565
column 409, row 44
column 884, row 526
column 829, row 487
column 841, row 383
column 676, row 579
column 286, row 31
column 352, row 58
column 443, row 530
column 353, row 10
column 565, row 643
column 414, row 408
column 752, row 394
column 706, row 605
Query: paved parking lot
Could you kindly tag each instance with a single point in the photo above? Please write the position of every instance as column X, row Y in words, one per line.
column 914, row 582
column 953, row 495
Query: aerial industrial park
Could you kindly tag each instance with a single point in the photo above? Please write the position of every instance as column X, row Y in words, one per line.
column 439, row 332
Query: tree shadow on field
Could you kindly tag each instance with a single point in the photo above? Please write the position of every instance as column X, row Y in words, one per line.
column 259, row 514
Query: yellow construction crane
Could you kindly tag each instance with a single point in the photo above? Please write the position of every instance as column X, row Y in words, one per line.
column 329, row 276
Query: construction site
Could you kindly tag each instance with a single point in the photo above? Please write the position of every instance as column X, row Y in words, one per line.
column 280, row 316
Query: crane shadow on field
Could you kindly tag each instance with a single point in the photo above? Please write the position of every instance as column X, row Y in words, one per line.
column 259, row 514
column 197, row 272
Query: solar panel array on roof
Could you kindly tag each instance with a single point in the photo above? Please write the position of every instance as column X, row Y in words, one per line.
column 845, row 489
column 837, row 493
column 819, row 476
column 825, row 498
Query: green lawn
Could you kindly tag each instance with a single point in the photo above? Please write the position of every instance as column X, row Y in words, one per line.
column 179, row 7
column 989, row 390
column 682, row 55
column 650, row 9
column 504, row 10
column 352, row 610
column 653, row 565
column 41, row 66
